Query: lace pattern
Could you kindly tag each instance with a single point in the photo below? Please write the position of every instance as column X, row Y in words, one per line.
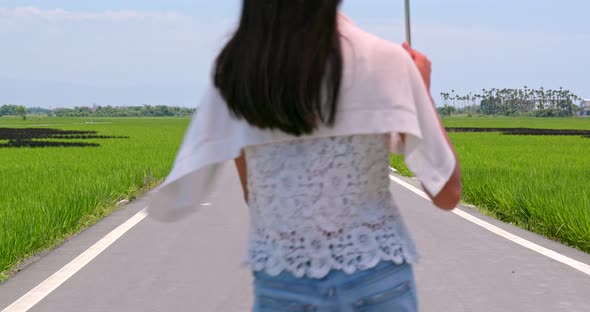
column 323, row 204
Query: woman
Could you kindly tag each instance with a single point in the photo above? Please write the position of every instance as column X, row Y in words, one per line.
column 310, row 106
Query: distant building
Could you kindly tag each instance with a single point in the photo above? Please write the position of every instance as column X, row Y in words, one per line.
column 585, row 108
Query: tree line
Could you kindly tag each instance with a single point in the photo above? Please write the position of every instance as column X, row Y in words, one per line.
column 510, row 102
column 99, row 111
column 13, row 110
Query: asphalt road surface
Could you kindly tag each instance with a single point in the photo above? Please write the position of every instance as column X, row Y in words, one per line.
column 195, row 265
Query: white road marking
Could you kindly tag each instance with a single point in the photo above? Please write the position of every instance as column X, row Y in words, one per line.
column 582, row 267
column 410, row 187
column 37, row 294
column 30, row 299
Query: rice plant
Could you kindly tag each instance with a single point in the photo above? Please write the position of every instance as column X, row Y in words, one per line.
column 539, row 183
column 50, row 193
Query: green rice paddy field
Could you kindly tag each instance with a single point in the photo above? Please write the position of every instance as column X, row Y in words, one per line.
column 48, row 194
column 540, row 183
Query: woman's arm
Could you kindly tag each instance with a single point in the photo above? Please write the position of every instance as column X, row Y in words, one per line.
column 450, row 195
column 243, row 173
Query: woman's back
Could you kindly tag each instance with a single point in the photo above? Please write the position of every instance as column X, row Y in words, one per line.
column 323, row 204
column 306, row 103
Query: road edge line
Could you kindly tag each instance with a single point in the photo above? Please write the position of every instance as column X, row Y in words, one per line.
column 35, row 295
column 580, row 266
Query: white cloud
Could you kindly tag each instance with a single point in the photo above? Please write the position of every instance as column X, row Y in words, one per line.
column 107, row 48
column 64, row 15
column 126, row 49
column 119, row 50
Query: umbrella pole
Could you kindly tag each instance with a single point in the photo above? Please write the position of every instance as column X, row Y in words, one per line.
column 408, row 24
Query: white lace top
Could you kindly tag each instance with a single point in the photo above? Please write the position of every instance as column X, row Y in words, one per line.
column 322, row 204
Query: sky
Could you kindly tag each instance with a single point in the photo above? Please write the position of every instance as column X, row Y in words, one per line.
column 65, row 53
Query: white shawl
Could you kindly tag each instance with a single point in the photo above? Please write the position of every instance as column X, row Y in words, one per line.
column 382, row 92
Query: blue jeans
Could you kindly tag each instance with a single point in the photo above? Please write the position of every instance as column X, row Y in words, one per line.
column 387, row 287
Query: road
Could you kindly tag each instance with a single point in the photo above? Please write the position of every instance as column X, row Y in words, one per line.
column 195, row 265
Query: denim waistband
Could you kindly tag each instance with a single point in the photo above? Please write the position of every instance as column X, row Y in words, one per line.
column 336, row 279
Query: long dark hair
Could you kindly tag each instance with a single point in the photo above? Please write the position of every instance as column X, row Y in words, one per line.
column 282, row 69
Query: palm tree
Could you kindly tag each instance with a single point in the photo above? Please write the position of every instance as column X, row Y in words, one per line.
column 532, row 99
column 445, row 97
column 478, row 96
column 542, row 101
